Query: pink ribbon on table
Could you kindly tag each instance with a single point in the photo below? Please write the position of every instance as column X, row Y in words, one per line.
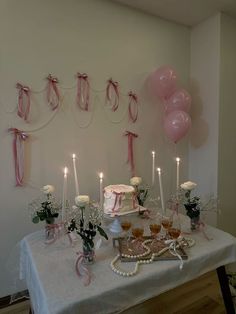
column 82, row 98
column 55, row 229
column 131, row 136
column 18, row 153
column 53, row 95
column 23, row 106
column 133, row 106
column 85, row 272
column 112, row 89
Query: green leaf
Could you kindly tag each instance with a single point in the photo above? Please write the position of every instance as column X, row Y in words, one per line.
column 35, row 219
column 102, row 232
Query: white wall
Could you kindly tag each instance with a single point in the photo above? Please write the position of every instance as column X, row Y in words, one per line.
column 204, row 75
column 63, row 37
column 227, row 114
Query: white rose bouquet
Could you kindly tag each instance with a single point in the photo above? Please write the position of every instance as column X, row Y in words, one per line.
column 141, row 192
column 47, row 210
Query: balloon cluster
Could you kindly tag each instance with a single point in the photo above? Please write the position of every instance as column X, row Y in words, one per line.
column 177, row 101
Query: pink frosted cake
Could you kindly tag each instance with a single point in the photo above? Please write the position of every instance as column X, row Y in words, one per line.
column 119, row 198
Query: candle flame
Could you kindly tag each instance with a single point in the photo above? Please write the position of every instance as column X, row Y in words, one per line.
column 153, row 153
column 101, row 175
column 159, row 170
column 73, row 156
column 65, row 171
column 177, row 159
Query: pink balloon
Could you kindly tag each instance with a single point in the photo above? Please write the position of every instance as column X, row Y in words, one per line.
column 163, row 82
column 179, row 100
column 176, row 125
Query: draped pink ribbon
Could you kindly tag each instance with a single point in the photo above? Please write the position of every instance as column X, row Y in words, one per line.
column 85, row 272
column 82, row 98
column 130, row 160
column 23, row 106
column 117, row 200
column 112, row 90
column 18, row 154
column 53, row 95
column 133, row 106
column 55, row 229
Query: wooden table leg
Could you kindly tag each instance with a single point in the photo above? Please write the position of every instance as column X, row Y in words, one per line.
column 225, row 290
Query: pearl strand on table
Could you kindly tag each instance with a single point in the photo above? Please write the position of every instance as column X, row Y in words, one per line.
column 134, row 272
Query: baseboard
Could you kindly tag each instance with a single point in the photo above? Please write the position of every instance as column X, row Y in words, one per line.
column 7, row 300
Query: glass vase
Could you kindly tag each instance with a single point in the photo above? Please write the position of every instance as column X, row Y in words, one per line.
column 49, row 231
column 89, row 256
column 195, row 223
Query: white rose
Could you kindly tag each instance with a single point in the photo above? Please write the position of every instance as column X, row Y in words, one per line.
column 135, row 181
column 188, row 185
column 81, row 200
column 48, row 189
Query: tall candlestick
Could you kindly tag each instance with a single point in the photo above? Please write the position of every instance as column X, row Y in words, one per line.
column 64, row 194
column 75, row 175
column 177, row 173
column 101, row 189
column 161, row 190
column 153, row 167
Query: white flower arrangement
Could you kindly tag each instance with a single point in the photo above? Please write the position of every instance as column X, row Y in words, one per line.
column 82, row 200
column 188, row 186
column 48, row 189
column 135, row 181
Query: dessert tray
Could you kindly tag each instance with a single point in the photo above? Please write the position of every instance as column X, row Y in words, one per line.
column 129, row 252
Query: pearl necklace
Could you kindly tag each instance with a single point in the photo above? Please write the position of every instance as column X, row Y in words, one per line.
column 148, row 261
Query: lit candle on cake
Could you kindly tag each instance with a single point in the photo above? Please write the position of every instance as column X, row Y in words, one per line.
column 101, row 189
column 153, row 167
column 161, row 190
column 177, row 173
column 75, row 175
column 64, row 193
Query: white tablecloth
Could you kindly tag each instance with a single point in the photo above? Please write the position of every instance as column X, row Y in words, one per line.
column 55, row 288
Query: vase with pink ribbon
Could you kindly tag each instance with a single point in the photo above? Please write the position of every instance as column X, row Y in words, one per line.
column 87, row 226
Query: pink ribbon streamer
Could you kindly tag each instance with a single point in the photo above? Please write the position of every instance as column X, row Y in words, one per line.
column 55, row 229
column 112, row 94
column 82, row 98
column 53, row 95
column 117, row 199
column 85, row 272
column 23, row 106
column 133, row 106
column 130, row 160
column 18, row 154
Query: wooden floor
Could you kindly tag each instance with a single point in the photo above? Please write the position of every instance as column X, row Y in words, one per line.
column 199, row 296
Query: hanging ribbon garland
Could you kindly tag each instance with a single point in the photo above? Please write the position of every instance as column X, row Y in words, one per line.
column 133, row 106
column 23, row 105
column 131, row 136
column 18, row 153
column 53, row 95
column 83, row 89
column 112, row 94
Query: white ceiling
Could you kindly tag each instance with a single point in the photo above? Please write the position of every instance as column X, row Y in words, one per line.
column 187, row 12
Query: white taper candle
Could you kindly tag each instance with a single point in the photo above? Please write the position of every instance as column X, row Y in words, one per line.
column 101, row 189
column 153, row 167
column 161, row 190
column 64, row 194
column 177, row 173
column 75, row 175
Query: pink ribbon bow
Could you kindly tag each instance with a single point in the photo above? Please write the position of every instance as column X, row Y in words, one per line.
column 112, row 94
column 23, row 106
column 54, row 230
column 82, row 98
column 85, row 273
column 133, row 106
column 130, row 160
column 53, row 95
column 18, row 154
